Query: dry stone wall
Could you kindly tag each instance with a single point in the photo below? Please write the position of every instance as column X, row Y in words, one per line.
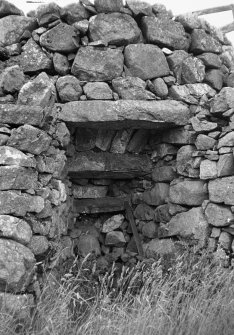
column 103, row 104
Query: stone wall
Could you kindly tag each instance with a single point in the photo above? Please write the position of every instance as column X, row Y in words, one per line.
column 106, row 104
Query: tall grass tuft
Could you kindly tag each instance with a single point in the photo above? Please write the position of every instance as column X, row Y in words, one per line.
column 192, row 296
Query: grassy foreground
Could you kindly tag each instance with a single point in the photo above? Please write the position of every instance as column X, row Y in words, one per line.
column 193, row 296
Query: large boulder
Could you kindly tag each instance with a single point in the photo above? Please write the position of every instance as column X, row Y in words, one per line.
column 145, row 61
column 17, row 263
column 188, row 192
column 12, row 28
column 114, row 28
column 97, row 64
column 189, row 225
column 164, row 32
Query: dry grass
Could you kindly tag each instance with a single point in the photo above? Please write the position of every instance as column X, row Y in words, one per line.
column 193, row 296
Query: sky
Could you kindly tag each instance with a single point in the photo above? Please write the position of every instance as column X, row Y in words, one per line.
column 177, row 7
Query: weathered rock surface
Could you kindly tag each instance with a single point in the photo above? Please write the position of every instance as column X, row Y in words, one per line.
column 30, row 139
column 12, row 156
column 157, row 195
column 188, row 192
column 192, row 70
column 59, row 39
column 106, row 6
column 88, row 244
column 145, row 61
column 164, row 173
column 61, row 64
column 15, row 229
column 98, row 91
column 132, row 88
column 150, row 229
column 19, row 204
column 185, row 164
column 165, row 33
column 47, row 13
column 11, row 80
column 215, row 79
column 191, row 93
column 226, row 141
column 18, row 114
column 97, row 64
column 222, row 190
column 17, row 178
column 106, row 165
column 115, row 238
column 89, row 191
column 38, row 245
column 204, row 142
column 33, row 59
column 17, row 265
column 120, row 141
column 12, row 28
column 211, row 60
column 7, row 8
column 190, row 225
column 202, row 125
column 125, row 113
column 159, row 248
column 114, row 28
column 75, row 12
column 219, row 216
column 69, row 88
column 223, row 101
column 225, row 165
column 144, row 212
column 20, row 306
column 112, row 223
column 202, row 42
column 208, row 169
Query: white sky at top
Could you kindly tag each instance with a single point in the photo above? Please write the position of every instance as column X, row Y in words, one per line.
column 177, row 7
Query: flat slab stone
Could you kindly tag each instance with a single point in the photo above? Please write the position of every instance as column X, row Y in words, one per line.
column 106, row 165
column 21, row 114
column 124, row 113
column 101, row 205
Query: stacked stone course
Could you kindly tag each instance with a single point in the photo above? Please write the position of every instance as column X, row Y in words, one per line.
column 106, row 103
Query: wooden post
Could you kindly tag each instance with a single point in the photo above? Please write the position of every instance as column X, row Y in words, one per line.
column 134, row 228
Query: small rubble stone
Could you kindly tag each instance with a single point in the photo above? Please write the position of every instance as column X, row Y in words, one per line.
column 131, row 88
column 12, row 28
column 188, row 192
column 185, row 162
column 160, row 88
column 113, row 223
column 33, row 59
column 30, row 139
column 221, row 190
column 164, row 173
column 108, row 6
column 225, row 165
column 139, row 8
column 138, row 141
column 191, row 93
column 115, row 28
column 75, row 12
column 61, row 64
column 201, row 42
column 69, row 88
column 204, row 142
column 150, row 229
column 39, row 245
column 145, row 61
column 115, row 238
column 17, row 265
column 47, row 13
column 159, row 248
column 94, row 64
column 192, row 70
column 88, row 244
column 157, row 195
column 208, row 169
column 59, row 39
column 144, row 212
column 15, row 229
column 211, row 60
column 98, row 91
column 215, row 79
column 218, row 216
column 203, row 126
column 12, row 156
column 17, row 177
column 225, row 240
column 164, row 32
column 38, row 92
column 11, row 80
column 120, row 141
column 104, row 139
column 189, row 225
column 226, row 141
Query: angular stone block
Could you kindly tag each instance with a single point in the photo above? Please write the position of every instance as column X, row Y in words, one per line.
column 17, row 178
column 219, row 216
column 222, row 190
column 18, row 114
column 189, row 192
